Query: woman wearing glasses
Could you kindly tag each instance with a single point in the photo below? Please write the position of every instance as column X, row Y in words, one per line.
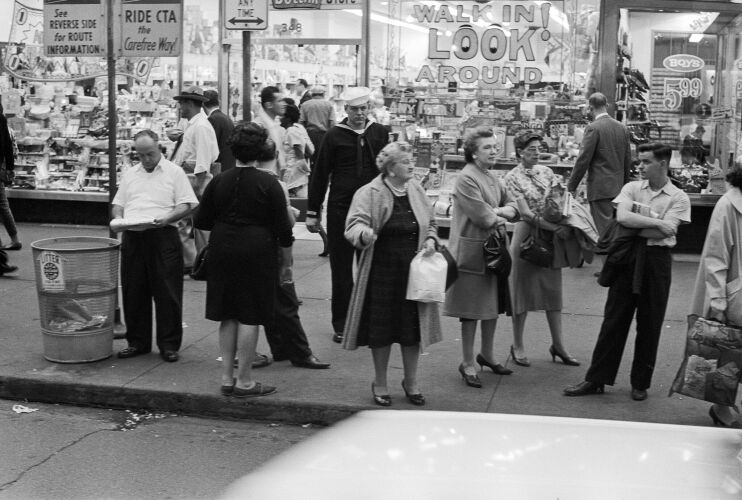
column 534, row 288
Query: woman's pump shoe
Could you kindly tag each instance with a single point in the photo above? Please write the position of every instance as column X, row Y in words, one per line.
column 495, row 367
column 416, row 399
column 718, row 422
column 380, row 399
column 566, row 359
column 519, row 361
column 471, row 380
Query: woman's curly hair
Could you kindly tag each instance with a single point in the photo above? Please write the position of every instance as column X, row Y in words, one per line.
column 247, row 141
column 471, row 141
column 391, row 154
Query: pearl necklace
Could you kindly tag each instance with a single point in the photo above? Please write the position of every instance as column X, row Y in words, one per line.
column 397, row 191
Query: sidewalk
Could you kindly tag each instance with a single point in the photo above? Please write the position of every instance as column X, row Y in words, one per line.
column 325, row 396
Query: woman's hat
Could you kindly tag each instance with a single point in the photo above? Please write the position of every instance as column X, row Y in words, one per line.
column 523, row 138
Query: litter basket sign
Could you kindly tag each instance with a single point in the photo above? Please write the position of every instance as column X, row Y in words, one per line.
column 52, row 271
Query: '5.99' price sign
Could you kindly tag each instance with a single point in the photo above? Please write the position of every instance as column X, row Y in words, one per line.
column 675, row 89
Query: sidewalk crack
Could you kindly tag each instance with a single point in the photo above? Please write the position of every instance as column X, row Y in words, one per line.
column 11, row 483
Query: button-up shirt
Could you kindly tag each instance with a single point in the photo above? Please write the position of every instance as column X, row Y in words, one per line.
column 670, row 203
column 277, row 134
column 199, row 144
column 152, row 195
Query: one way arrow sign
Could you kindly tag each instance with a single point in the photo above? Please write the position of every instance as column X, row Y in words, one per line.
column 246, row 14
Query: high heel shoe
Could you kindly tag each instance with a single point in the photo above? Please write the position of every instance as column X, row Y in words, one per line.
column 416, row 399
column 471, row 380
column 566, row 359
column 496, row 367
column 519, row 361
column 718, row 422
column 380, row 399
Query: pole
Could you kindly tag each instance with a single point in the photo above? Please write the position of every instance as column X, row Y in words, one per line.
column 112, row 116
column 366, row 42
column 246, row 77
column 222, row 65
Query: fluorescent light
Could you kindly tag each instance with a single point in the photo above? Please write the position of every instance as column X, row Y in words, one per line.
column 695, row 37
column 387, row 20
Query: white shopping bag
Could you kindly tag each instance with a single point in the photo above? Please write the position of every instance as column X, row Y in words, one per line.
column 427, row 279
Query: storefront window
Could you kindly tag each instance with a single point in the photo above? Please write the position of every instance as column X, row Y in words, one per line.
column 677, row 82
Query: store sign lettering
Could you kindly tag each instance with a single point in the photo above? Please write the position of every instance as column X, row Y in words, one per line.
column 528, row 26
column 315, row 4
column 738, row 64
column 683, row 63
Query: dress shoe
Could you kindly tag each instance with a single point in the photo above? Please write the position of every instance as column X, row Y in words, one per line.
column 8, row 270
column 337, row 337
column 130, row 352
column 310, row 361
column 13, row 246
column 416, row 399
column 566, row 358
column 227, row 390
column 323, row 254
column 718, row 422
column 638, row 394
column 495, row 367
column 471, row 380
column 187, row 270
column 584, row 388
column 519, row 361
column 257, row 390
column 380, row 399
column 169, row 356
column 260, row 361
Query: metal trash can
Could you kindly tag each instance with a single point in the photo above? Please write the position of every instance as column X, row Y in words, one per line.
column 76, row 283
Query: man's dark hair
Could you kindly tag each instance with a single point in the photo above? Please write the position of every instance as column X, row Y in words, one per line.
column 268, row 94
column 147, row 133
column 302, row 81
column 659, row 150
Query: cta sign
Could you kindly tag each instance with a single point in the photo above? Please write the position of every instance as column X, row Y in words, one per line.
column 74, row 28
column 151, row 28
column 683, row 63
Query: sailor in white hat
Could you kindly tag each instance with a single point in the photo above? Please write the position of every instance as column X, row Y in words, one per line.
column 348, row 155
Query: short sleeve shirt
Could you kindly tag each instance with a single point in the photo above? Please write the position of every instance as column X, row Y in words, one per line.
column 151, row 195
column 671, row 203
column 199, row 144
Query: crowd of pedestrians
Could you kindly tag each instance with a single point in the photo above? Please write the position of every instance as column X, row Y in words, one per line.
column 379, row 218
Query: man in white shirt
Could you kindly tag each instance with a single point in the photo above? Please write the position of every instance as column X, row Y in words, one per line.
column 655, row 208
column 271, row 108
column 198, row 150
column 152, row 197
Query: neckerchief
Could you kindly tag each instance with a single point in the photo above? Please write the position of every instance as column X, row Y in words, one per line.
column 360, row 143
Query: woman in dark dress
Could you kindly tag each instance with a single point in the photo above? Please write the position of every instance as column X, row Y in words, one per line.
column 245, row 210
column 391, row 220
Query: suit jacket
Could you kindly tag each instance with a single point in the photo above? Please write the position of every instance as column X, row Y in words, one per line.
column 305, row 97
column 605, row 157
column 223, row 127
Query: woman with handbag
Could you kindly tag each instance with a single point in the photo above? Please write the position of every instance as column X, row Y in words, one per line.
column 390, row 219
column 481, row 206
column 245, row 210
column 718, row 289
column 535, row 285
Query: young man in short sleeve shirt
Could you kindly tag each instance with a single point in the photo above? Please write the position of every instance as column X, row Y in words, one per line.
column 668, row 207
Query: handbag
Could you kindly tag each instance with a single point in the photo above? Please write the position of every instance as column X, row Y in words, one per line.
column 537, row 250
column 200, row 265
column 452, row 274
column 712, row 364
column 427, row 278
column 496, row 255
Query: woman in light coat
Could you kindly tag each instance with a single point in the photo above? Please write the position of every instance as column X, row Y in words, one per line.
column 718, row 290
column 481, row 206
column 390, row 219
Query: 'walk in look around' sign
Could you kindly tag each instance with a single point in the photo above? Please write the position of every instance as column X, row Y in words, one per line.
column 74, row 28
column 151, row 28
column 245, row 15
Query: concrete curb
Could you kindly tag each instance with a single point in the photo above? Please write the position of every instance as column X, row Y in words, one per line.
column 268, row 408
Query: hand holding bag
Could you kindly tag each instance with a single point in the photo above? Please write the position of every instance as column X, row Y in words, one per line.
column 200, row 265
column 496, row 255
column 536, row 249
column 427, row 278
